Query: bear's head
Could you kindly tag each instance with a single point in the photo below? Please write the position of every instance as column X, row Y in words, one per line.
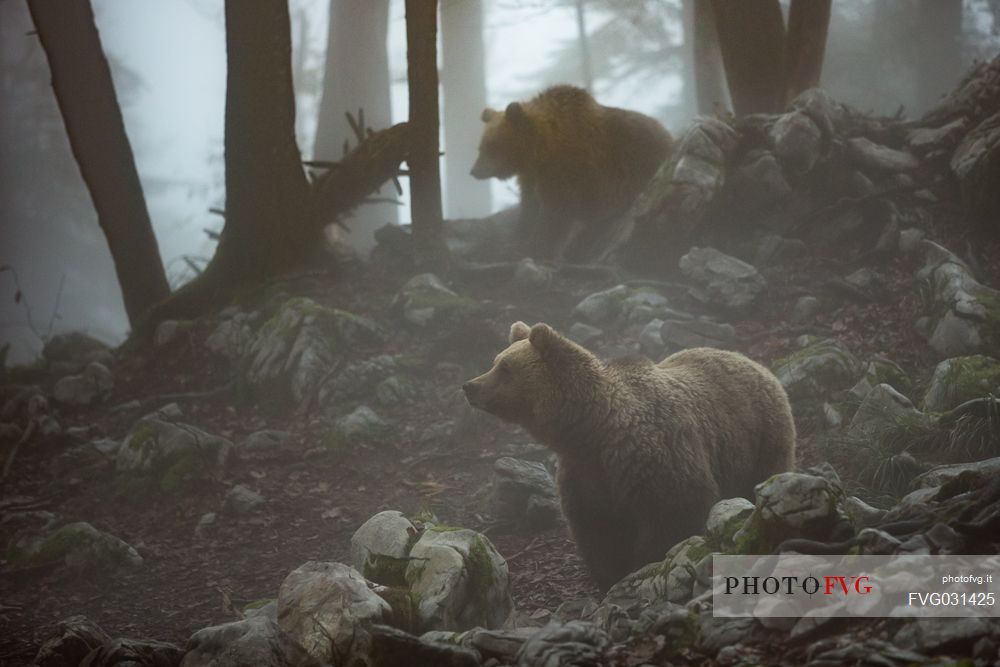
column 535, row 382
column 503, row 150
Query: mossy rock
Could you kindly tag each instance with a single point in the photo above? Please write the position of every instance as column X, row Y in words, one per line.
column 161, row 455
column 425, row 300
column 819, row 369
column 78, row 545
column 962, row 379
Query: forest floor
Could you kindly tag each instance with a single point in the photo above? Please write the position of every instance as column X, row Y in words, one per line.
column 314, row 505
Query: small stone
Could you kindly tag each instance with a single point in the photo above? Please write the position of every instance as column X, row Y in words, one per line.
column 861, row 279
column 242, row 500
column 722, row 280
column 262, row 444
column 602, row 306
column 166, row 332
column 529, row 275
column 806, row 308
column 681, row 334
column 650, row 340
column 909, row 240
column 206, row 524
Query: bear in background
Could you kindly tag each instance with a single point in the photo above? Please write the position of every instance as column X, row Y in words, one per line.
column 644, row 450
column 577, row 162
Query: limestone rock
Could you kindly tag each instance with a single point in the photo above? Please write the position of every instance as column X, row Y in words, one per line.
column 327, row 609
column 459, row 580
column 722, row 280
column 524, row 494
column 962, row 379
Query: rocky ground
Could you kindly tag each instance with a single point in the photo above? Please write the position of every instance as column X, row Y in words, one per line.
column 255, row 454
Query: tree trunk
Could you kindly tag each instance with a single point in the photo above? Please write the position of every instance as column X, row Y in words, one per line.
column 463, row 79
column 707, row 75
column 808, row 21
column 937, row 47
column 85, row 93
column 267, row 229
column 586, row 67
column 752, row 41
column 356, row 76
column 424, row 159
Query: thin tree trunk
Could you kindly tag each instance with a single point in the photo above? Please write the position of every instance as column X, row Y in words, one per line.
column 85, row 93
column 752, row 40
column 356, row 76
column 708, row 75
column 586, row 68
column 463, row 79
column 424, row 160
column 808, row 21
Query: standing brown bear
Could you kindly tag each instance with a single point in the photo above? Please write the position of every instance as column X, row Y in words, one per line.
column 644, row 450
column 577, row 161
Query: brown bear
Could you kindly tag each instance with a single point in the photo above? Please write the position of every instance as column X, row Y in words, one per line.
column 577, row 162
column 644, row 450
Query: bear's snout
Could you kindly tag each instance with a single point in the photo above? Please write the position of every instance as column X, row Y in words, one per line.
column 478, row 171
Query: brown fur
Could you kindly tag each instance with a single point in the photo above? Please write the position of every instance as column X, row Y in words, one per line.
column 577, row 161
column 644, row 450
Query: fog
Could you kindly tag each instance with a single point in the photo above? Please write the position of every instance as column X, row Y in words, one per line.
column 168, row 63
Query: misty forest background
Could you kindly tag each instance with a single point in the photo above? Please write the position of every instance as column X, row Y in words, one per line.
column 168, row 63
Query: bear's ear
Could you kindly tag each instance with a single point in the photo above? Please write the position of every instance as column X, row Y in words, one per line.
column 519, row 331
column 543, row 338
column 488, row 114
column 516, row 116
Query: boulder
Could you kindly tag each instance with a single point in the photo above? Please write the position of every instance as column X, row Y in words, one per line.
column 797, row 141
column 878, row 158
column 295, row 350
column 74, row 639
column 602, row 307
column 528, row 275
column 976, row 165
column 164, row 454
column 242, row 500
column 722, row 280
column 94, row 382
column 71, row 352
column 233, row 337
column 725, row 519
column 964, row 315
column 362, row 425
column 572, row 643
column 794, row 505
column 262, row 444
column 883, row 408
column 941, row 474
column 424, row 300
column 381, row 546
column 584, row 334
column 256, row 640
column 962, row 379
column 328, row 608
column 79, row 546
column 458, row 580
column 805, row 309
column 819, row 369
column 524, row 494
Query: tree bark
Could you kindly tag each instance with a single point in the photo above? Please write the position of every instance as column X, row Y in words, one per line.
column 707, row 74
column 424, row 159
column 808, row 21
column 85, row 93
column 356, row 76
column 463, row 79
column 266, row 228
column 752, row 40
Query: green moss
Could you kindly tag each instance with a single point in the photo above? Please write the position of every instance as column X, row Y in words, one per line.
column 51, row 550
column 451, row 306
column 479, row 565
column 386, row 570
column 404, row 605
column 257, row 604
column 143, row 435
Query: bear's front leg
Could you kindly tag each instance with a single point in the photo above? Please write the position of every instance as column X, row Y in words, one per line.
column 603, row 538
